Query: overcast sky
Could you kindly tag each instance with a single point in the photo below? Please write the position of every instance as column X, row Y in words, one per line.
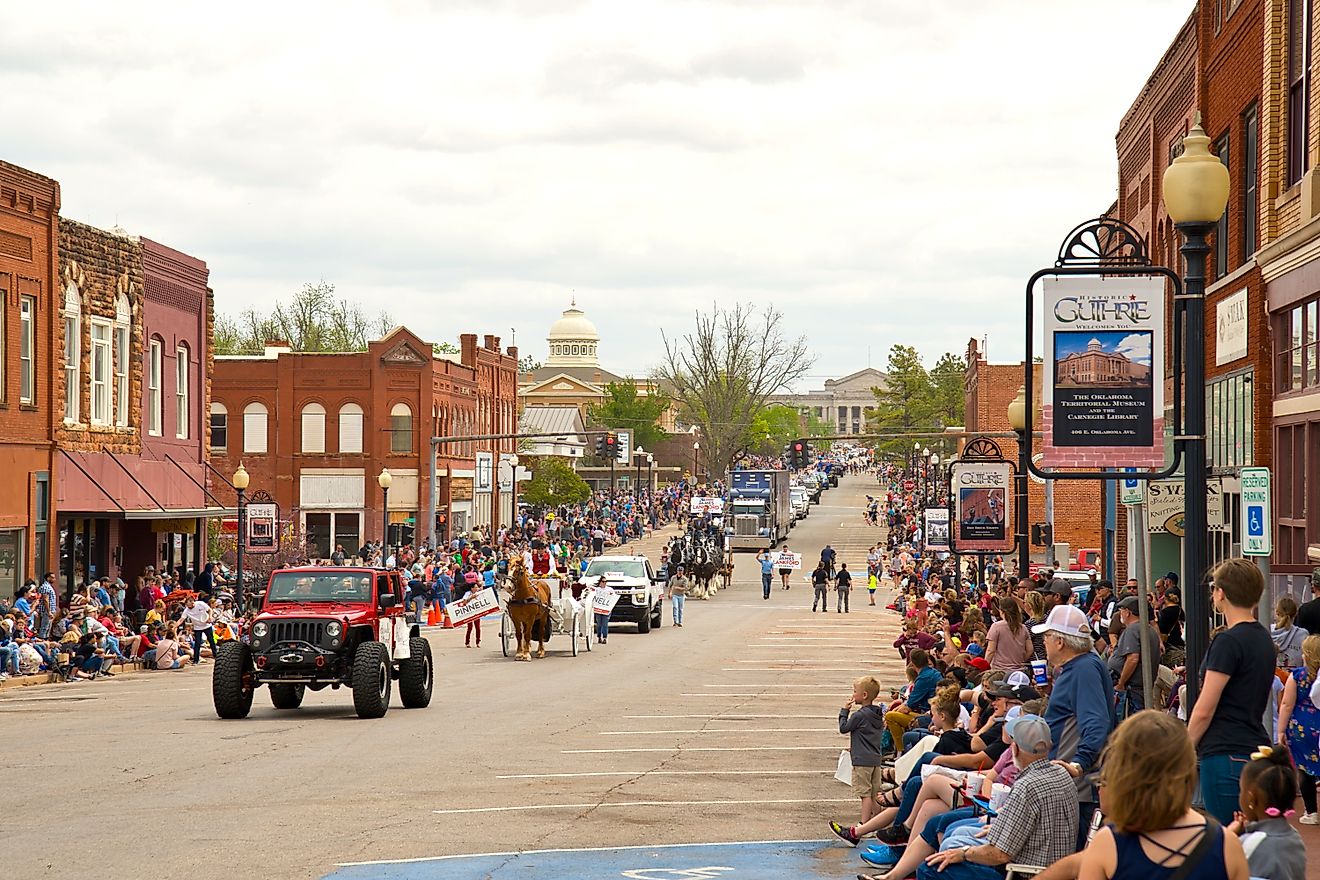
column 881, row 171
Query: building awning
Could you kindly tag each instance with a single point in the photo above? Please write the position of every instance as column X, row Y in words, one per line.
column 110, row 485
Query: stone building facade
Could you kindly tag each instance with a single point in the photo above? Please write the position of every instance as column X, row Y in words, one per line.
column 315, row 430
column 133, row 345
column 843, row 404
column 29, row 217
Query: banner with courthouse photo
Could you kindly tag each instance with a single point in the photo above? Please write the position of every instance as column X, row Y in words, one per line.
column 981, row 502
column 937, row 529
column 1102, row 404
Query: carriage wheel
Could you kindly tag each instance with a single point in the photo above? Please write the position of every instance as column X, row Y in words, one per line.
column 587, row 624
column 504, row 632
column 573, row 633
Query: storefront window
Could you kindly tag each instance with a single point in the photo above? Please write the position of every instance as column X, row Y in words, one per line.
column 324, row 530
column 1229, row 404
column 11, row 561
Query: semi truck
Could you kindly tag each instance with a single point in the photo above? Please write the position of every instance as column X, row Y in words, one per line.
column 760, row 510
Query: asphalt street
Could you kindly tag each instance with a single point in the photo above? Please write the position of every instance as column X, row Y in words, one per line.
column 723, row 731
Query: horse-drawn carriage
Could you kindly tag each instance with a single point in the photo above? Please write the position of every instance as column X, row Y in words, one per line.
column 531, row 613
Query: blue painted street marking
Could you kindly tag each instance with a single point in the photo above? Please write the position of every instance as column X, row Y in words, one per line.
column 758, row 860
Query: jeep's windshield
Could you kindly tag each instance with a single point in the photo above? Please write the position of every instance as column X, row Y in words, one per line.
column 298, row 586
column 627, row 568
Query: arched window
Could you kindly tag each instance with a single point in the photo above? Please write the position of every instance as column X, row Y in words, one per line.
column 72, row 352
column 313, row 429
column 401, row 428
column 575, row 349
column 123, row 327
column 254, row 429
column 350, row 429
column 219, row 427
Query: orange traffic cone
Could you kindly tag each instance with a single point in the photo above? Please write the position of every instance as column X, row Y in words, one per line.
column 448, row 623
column 431, row 617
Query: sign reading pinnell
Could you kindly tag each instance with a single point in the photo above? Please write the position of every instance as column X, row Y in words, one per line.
column 981, row 491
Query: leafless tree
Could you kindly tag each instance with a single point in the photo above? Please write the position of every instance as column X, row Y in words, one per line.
column 313, row 320
column 724, row 372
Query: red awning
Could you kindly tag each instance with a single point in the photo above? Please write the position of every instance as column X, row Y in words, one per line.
column 104, row 484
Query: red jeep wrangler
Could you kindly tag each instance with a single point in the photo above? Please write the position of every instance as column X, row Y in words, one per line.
column 322, row 627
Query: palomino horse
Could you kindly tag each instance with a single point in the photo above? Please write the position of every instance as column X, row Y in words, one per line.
column 529, row 610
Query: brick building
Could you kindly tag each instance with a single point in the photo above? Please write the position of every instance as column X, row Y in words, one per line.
column 29, row 212
column 1289, row 259
column 1079, row 514
column 348, row 416
column 130, row 386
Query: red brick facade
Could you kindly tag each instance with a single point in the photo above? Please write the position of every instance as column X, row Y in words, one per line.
column 29, row 211
column 332, row 422
column 990, row 388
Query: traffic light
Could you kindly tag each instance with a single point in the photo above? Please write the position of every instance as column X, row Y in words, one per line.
column 611, row 452
column 600, row 445
column 799, row 454
column 1042, row 534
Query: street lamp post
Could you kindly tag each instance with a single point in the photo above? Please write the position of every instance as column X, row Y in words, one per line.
column 1017, row 420
column 696, row 447
column 925, row 477
column 935, row 479
column 384, row 480
column 1195, row 194
column 650, row 462
column 241, row 479
column 637, row 460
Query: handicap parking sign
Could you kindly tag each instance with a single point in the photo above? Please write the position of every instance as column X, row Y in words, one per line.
column 1255, row 520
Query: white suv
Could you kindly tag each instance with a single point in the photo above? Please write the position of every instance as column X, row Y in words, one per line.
column 641, row 592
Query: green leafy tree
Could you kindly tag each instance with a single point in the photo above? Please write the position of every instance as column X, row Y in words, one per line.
column 625, row 407
column 818, row 428
column 444, row 348
column 948, row 390
column 528, row 364
column 903, row 404
column 313, row 320
column 554, row 483
column 772, row 428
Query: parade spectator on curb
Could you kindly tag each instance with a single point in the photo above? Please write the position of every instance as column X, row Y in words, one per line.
column 169, row 652
column 1147, row 783
column 1125, row 660
column 1299, row 726
column 1286, row 634
column 48, row 603
column 1034, row 603
column 865, row 729
column 1226, row 723
column 1081, row 707
column 1273, row 847
column 8, row 649
column 927, row 679
column 1008, row 644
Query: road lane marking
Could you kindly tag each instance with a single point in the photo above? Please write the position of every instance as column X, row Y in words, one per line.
column 833, row 693
column 828, row 748
column 522, row 807
column 759, row 684
column 730, row 730
column 668, row 773
column 734, row 716
column 648, row 846
column 787, row 669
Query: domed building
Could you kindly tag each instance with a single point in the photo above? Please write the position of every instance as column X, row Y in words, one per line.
column 570, row 379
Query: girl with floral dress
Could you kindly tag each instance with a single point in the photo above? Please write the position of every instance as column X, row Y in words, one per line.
column 1299, row 725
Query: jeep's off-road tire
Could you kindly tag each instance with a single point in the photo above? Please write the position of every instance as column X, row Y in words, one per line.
column 644, row 622
column 286, row 696
column 417, row 675
column 658, row 616
column 232, row 683
column 371, row 680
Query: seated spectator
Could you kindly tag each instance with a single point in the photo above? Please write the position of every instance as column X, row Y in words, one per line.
column 898, row 719
column 89, row 660
column 157, row 613
column 8, row 649
column 169, row 654
column 1147, row 782
column 1036, row 825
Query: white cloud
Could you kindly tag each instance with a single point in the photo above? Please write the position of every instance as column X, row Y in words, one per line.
column 1135, row 347
column 882, row 171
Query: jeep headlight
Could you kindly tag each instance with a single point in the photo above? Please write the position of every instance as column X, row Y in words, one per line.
column 333, row 628
column 259, row 629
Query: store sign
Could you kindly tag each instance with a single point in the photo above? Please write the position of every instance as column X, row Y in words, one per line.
column 1256, row 512
column 460, row 488
column 261, row 523
column 1231, row 328
column 1164, row 507
column 937, row 529
column 485, row 473
column 981, row 503
column 1103, row 397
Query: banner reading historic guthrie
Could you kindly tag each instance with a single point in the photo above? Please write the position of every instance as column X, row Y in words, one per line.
column 1103, row 400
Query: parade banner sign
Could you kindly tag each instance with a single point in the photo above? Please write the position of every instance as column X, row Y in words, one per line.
column 471, row 607
column 702, row 505
column 604, row 600
column 261, row 523
column 1102, row 403
column 788, row 559
column 937, row 529
column 981, row 503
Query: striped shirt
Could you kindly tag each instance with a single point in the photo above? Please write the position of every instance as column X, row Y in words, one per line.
column 1038, row 823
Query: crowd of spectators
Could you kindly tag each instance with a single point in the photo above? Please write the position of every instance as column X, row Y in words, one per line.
column 1028, row 731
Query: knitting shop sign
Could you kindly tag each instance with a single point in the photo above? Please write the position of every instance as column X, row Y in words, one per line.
column 981, row 504
column 1103, row 396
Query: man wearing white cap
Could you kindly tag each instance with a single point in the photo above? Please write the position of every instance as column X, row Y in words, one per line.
column 1081, row 709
